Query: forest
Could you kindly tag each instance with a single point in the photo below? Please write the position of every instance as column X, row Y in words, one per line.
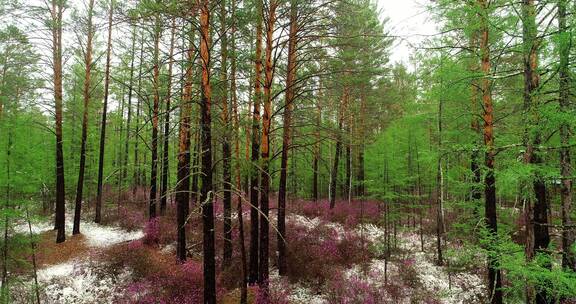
column 287, row 151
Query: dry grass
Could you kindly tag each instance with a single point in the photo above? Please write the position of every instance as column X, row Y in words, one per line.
column 48, row 252
column 233, row 297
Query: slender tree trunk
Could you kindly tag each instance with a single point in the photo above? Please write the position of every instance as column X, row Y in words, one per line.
column 194, row 170
column 419, row 194
column 265, row 151
column 86, row 93
column 334, row 173
column 4, row 294
column 475, row 193
column 254, row 185
column 206, row 150
column 288, row 108
column 494, row 274
column 183, row 184
column 165, row 163
column 56, row 13
column 98, row 216
column 440, row 187
column 129, row 118
column 226, row 149
column 137, row 179
column 360, row 174
column 155, row 110
column 317, row 145
column 568, row 256
column 236, row 121
column 34, row 263
column 347, row 163
column 538, row 236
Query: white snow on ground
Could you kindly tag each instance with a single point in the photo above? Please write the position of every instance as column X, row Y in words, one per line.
column 169, row 249
column 308, row 223
column 97, row 236
column 104, row 236
column 298, row 294
column 459, row 288
column 59, row 270
column 81, row 281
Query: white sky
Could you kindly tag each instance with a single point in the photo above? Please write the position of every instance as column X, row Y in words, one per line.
column 410, row 21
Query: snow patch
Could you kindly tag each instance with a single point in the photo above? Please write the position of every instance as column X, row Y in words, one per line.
column 97, row 236
column 104, row 236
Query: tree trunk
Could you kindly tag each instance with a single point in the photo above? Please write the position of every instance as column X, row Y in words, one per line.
column 334, row 173
column 226, row 150
column 98, row 216
column 539, row 237
column 348, row 163
column 165, row 163
column 137, row 169
column 265, row 152
column 155, row 110
column 317, row 146
column 254, row 185
column 206, row 150
column 288, row 107
column 129, row 118
column 568, row 256
column 195, row 170
column 86, row 94
column 360, row 173
column 475, row 193
column 183, row 184
column 439, row 185
column 56, row 13
column 494, row 274
column 4, row 287
column 236, row 121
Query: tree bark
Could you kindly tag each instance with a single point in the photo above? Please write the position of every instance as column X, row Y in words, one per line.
column 4, row 287
column 98, row 216
column 56, row 13
column 155, row 110
column 86, row 94
column 539, row 238
column 183, row 184
column 288, row 108
column 226, row 149
column 494, row 274
column 334, row 173
column 236, row 121
column 129, row 118
column 206, row 150
column 265, row 152
column 568, row 256
column 165, row 150
column 475, row 193
column 137, row 169
column 317, row 145
column 439, row 184
column 254, row 185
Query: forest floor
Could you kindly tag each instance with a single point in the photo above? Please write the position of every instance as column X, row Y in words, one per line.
column 333, row 258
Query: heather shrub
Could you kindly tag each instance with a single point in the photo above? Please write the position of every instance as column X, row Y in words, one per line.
column 130, row 219
column 349, row 214
column 409, row 274
column 152, row 232
column 354, row 290
column 316, row 254
column 177, row 284
column 278, row 293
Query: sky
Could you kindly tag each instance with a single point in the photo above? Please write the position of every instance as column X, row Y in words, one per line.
column 410, row 21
